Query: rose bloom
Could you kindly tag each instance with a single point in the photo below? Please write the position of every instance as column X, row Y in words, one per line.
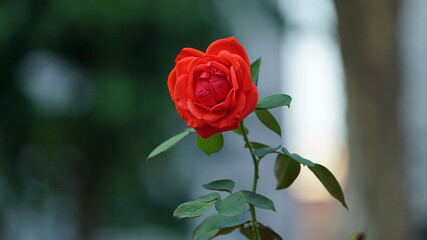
column 213, row 91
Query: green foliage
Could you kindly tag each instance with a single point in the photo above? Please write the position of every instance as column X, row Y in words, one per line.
column 212, row 225
column 261, row 152
column 170, row 143
column 358, row 236
column 208, row 197
column 268, row 120
column 298, row 158
column 329, row 182
column 210, row 145
column 255, row 66
column 220, row 185
column 239, row 130
column 192, row 209
column 258, row 200
column 274, row 101
column 265, row 232
column 256, row 145
column 232, row 205
column 286, row 171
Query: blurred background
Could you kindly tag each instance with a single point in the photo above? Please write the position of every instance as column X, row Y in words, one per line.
column 83, row 100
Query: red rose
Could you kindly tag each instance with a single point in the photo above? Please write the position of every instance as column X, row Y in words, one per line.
column 213, row 91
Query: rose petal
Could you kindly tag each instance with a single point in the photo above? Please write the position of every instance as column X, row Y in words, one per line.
column 244, row 77
column 228, row 100
column 207, row 131
column 181, row 92
column 234, row 115
column 197, row 111
column 251, row 102
column 229, row 44
column 234, row 81
column 200, row 63
column 190, row 119
column 214, row 116
column 220, row 66
column 203, row 93
column 171, row 82
column 188, row 52
column 182, row 65
column 219, row 87
column 232, row 58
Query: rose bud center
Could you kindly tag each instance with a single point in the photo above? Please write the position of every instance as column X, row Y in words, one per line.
column 212, row 87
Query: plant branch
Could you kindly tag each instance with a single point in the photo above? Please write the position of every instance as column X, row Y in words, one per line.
column 256, row 233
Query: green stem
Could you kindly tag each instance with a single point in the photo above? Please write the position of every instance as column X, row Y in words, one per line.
column 256, row 234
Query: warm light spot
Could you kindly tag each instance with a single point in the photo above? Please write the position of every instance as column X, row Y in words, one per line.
column 315, row 123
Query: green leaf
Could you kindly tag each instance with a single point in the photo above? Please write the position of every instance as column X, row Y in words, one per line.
column 298, row 158
column 210, row 145
column 256, row 145
column 286, row 171
column 190, row 130
column 260, row 152
column 225, row 231
column 232, row 205
column 258, row 200
column 266, row 232
column 239, row 130
column 358, row 236
column 170, row 142
column 208, row 197
column 220, row 185
column 192, row 209
column 268, row 120
column 255, row 66
column 274, row 101
column 213, row 224
column 329, row 182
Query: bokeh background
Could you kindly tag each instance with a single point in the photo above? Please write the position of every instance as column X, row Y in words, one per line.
column 83, row 100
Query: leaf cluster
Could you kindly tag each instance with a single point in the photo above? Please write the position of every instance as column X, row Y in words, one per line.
column 229, row 211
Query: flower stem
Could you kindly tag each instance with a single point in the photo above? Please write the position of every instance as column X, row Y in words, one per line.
column 256, row 234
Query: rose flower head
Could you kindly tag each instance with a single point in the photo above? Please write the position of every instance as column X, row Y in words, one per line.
column 213, row 91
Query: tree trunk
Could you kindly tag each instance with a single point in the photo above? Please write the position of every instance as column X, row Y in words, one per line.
column 369, row 43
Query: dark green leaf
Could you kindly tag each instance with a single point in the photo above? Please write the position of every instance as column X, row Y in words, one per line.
column 208, row 197
column 268, row 120
column 298, row 158
column 256, row 145
column 192, row 209
column 260, row 152
column 255, row 70
column 170, row 143
column 220, row 185
column 358, row 236
column 274, row 101
column 266, row 232
column 210, row 145
column 239, row 130
column 213, row 224
column 258, row 200
column 329, row 182
column 231, row 205
column 286, row 171
column 225, row 231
